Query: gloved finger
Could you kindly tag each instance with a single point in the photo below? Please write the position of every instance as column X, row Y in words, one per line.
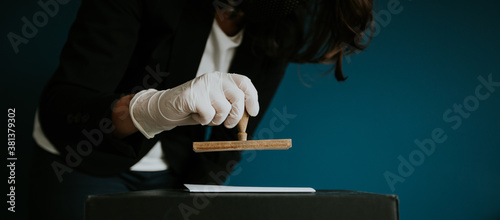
column 222, row 108
column 251, row 96
column 237, row 99
column 204, row 112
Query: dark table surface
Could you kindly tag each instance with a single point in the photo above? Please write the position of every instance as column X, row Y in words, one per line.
column 181, row 204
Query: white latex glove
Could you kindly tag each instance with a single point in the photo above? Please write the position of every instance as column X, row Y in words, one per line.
column 210, row 99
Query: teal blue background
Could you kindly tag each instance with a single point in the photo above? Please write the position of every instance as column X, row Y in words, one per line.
column 345, row 135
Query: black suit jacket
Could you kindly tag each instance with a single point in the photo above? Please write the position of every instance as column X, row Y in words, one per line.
column 119, row 47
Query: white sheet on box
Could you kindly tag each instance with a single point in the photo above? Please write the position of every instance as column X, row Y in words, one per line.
column 217, row 188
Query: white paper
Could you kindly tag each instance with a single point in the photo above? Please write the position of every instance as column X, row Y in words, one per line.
column 217, row 188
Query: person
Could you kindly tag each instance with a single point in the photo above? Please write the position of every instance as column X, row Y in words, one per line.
column 139, row 81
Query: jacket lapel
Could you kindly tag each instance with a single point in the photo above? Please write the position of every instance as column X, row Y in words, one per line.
column 244, row 61
column 189, row 43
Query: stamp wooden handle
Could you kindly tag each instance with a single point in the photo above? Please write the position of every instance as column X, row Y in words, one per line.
column 242, row 143
column 242, row 127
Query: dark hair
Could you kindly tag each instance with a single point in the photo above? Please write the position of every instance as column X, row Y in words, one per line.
column 316, row 31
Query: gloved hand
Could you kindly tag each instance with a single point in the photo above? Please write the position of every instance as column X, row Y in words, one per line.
column 210, row 99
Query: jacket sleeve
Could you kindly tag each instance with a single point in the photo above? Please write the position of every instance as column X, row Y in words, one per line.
column 75, row 106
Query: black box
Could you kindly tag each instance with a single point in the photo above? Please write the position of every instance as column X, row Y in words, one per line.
column 178, row 204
